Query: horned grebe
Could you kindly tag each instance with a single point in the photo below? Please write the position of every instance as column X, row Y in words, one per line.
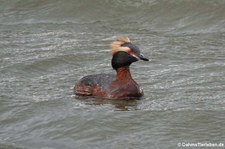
column 119, row 86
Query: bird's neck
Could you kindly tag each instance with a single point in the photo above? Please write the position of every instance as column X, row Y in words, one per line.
column 123, row 74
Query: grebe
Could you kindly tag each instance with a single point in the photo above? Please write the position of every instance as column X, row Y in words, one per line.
column 119, row 86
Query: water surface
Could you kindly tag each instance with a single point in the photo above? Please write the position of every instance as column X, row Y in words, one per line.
column 46, row 46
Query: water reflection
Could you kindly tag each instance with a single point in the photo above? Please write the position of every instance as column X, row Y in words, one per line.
column 119, row 105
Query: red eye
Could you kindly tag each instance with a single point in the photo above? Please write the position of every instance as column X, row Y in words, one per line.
column 130, row 52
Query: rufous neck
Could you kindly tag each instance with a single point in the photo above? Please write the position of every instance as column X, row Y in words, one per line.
column 123, row 73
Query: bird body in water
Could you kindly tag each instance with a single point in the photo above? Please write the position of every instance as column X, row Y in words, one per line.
column 119, row 86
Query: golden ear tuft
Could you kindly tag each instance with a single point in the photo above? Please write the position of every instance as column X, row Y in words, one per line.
column 116, row 45
column 123, row 39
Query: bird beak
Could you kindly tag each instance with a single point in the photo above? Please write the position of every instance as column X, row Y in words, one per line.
column 142, row 57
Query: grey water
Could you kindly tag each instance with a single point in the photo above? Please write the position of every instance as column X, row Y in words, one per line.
column 46, row 46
